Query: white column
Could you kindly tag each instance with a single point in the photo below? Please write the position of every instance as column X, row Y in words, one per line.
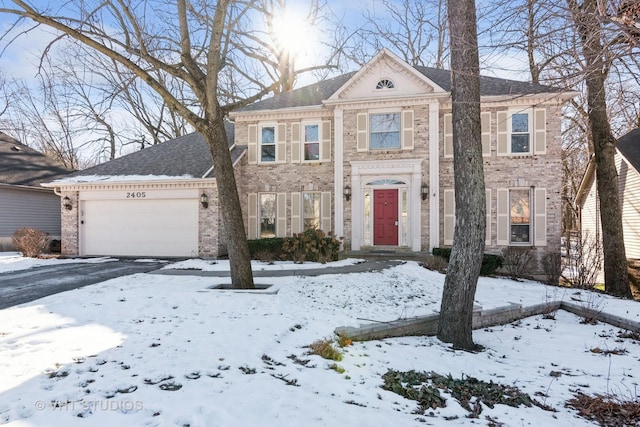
column 338, row 172
column 434, row 175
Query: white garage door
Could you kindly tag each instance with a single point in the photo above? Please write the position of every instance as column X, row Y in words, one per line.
column 166, row 227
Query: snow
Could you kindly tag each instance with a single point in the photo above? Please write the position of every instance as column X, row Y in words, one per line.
column 14, row 261
column 98, row 356
column 223, row 265
column 117, row 178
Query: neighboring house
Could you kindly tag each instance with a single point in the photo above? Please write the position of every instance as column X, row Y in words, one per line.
column 367, row 155
column 627, row 161
column 23, row 201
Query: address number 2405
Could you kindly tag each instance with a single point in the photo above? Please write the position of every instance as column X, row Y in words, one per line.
column 136, row 195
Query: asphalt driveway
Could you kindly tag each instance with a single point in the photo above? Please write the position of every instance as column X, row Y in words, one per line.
column 17, row 287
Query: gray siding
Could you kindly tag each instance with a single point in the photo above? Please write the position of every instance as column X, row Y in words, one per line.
column 29, row 208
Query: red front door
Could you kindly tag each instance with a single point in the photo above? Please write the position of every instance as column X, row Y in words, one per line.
column 385, row 217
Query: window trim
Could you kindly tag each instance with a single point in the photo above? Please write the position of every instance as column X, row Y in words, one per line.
column 303, row 143
column 510, row 133
column 531, row 217
column 261, row 126
column 260, row 217
column 399, row 131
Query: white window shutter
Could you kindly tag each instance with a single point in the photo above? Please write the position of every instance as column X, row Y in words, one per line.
column 502, row 216
column 487, row 238
column 448, row 136
column 503, row 133
column 540, row 224
column 252, row 208
column 296, row 207
column 325, row 214
column 296, row 149
column 540, row 133
column 281, row 143
column 252, row 142
column 485, row 123
column 281, row 214
column 449, row 216
column 407, row 130
column 362, row 131
column 325, row 143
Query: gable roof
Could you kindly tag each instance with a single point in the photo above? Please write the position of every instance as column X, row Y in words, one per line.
column 629, row 146
column 187, row 156
column 316, row 93
column 21, row 165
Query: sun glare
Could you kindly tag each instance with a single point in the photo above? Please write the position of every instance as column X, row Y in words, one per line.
column 292, row 34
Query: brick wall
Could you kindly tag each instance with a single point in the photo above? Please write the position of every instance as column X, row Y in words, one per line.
column 70, row 225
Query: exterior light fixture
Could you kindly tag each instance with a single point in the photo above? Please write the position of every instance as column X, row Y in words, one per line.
column 424, row 191
column 347, row 192
column 66, row 202
column 204, row 200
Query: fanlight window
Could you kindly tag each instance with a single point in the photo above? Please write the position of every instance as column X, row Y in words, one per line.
column 385, row 84
column 387, row 182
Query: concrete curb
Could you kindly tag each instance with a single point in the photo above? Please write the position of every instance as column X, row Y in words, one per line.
column 428, row 325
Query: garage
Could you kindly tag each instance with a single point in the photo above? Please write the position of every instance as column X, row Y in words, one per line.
column 140, row 223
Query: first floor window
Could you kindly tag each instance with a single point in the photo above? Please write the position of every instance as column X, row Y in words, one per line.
column 311, row 142
column 311, row 210
column 268, row 144
column 520, row 216
column 384, row 131
column 267, row 215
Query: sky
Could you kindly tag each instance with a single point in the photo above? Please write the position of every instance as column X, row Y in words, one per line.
column 165, row 350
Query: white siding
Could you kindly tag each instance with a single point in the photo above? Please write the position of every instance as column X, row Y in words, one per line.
column 629, row 184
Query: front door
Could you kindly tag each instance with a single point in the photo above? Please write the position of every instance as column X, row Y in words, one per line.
column 385, row 219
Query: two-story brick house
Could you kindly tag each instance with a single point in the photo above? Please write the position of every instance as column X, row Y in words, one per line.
column 367, row 155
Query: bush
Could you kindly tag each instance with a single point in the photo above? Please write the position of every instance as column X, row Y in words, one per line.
column 435, row 263
column 325, row 349
column 259, row 248
column 517, row 261
column 490, row 262
column 30, row 241
column 552, row 266
column 311, row 245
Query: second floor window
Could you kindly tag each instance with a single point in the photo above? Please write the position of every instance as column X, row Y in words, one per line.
column 311, row 142
column 384, row 131
column 268, row 144
column 520, row 133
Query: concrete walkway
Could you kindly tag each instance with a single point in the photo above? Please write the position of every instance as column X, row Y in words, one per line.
column 363, row 267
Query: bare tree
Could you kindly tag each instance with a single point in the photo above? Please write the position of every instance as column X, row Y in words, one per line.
column 211, row 48
column 456, row 310
column 415, row 30
column 589, row 27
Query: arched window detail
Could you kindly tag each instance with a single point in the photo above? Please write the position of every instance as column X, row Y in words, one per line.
column 385, row 84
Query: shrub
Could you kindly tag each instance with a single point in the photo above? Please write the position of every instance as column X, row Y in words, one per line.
column 552, row 267
column 311, row 245
column 517, row 261
column 325, row 349
column 30, row 241
column 490, row 262
column 435, row 263
column 259, row 248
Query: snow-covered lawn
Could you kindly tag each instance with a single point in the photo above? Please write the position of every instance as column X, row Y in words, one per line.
column 13, row 261
column 157, row 350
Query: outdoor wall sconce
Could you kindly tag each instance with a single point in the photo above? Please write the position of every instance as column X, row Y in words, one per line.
column 204, row 200
column 424, row 191
column 66, row 202
column 347, row 192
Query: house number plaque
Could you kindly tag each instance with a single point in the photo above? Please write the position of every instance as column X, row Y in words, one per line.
column 136, row 195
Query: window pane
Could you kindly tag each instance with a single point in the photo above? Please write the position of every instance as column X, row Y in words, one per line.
column 520, row 216
column 268, row 153
column 312, row 151
column 268, row 135
column 311, row 133
column 267, row 215
column 385, row 140
column 520, row 143
column 520, row 122
column 385, row 122
column 311, row 210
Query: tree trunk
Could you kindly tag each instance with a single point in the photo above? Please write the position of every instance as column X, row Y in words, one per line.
column 615, row 261
column 229, row 204
column 456, row 311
